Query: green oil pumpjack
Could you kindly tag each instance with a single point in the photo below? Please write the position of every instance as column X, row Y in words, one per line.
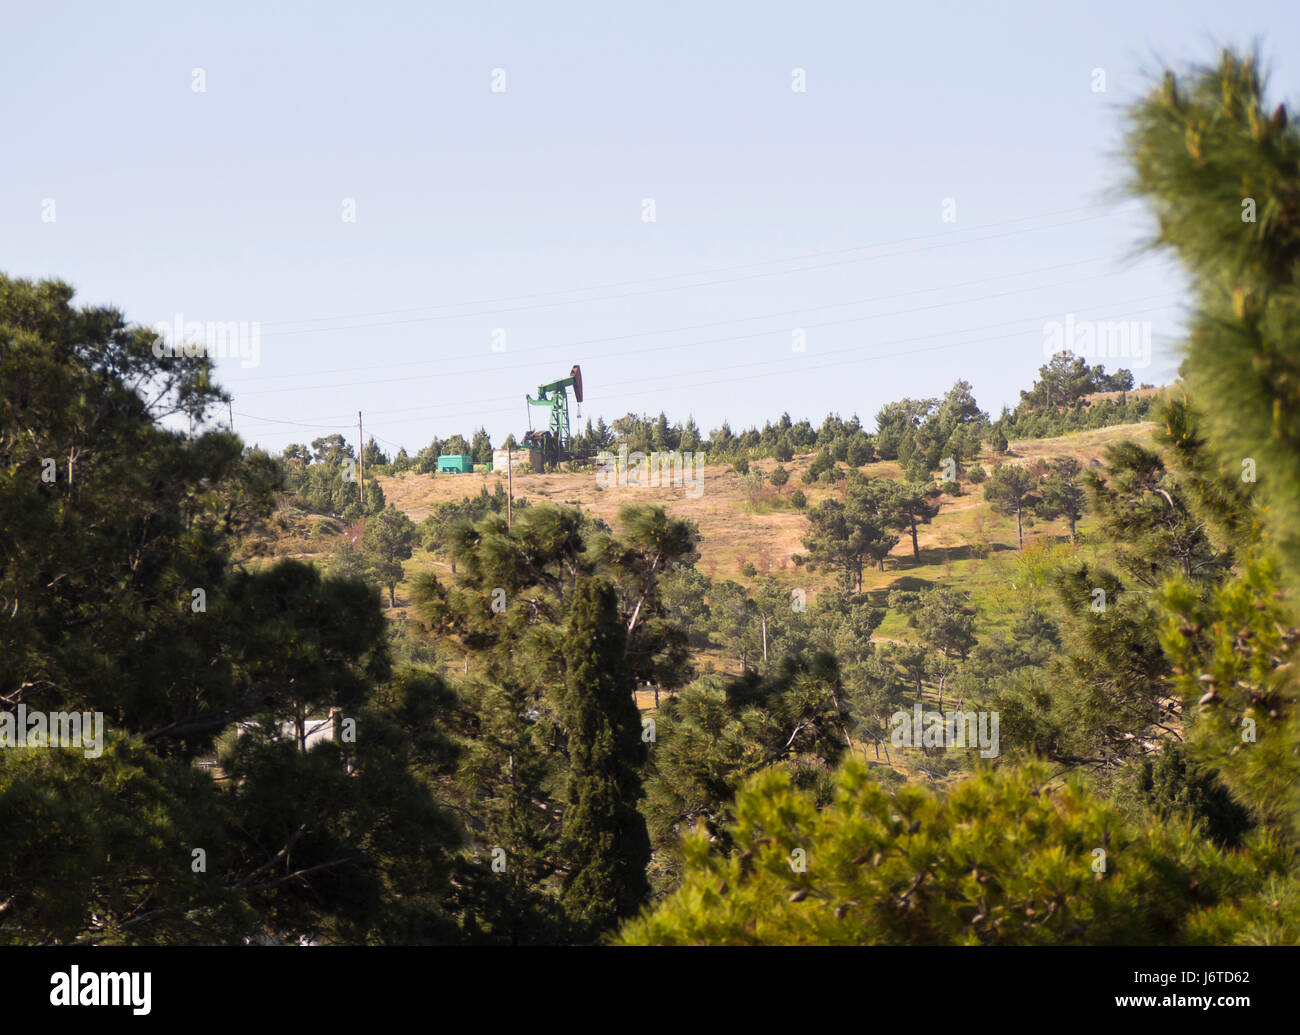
column 553, row 442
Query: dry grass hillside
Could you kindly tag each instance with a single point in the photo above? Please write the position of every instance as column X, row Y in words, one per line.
column 966, row 546
column 765, row 531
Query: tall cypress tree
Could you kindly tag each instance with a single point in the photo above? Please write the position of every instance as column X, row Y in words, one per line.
column 605, row 840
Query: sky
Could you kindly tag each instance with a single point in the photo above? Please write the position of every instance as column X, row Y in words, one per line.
column 724, row 211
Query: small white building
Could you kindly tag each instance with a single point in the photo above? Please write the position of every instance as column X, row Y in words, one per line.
column 516, row 458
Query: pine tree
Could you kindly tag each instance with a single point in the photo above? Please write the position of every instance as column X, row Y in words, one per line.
column 1144, row 508
column 906, row 505
column 1063, row 381
column 1222, row 174
column 1012, row 490
column 1007, row 857
column 389, row 539
column 844, row 536
column 942, row 616
column 506, row 780
column 1061, row 493
column 717, row 732
column 1176, row 786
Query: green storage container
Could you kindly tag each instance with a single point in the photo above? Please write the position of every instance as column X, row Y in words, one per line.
column 455, row 464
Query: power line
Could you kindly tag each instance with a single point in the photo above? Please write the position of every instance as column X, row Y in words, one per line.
column 698, row 273
column 851, row 348
column 707, row 341
column 295, row 423
column 480, row 411
column 651, row 291
column 699, row 326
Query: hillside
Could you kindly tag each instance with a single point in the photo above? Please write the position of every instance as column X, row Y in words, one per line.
column 966, row 546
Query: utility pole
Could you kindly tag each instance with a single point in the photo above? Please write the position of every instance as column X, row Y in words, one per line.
column 230, row 412
column 510, row 487
column 361, row 453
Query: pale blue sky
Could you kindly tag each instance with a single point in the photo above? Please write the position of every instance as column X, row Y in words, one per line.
column 523, row 210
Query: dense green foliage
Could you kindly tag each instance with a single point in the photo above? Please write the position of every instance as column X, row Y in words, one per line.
column 120, row 597
column 1183, row 631
column 1001, row 860
column 327, row 478
column 555, row 756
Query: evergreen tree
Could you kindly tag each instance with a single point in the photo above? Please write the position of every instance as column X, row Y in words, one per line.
column 1065, row 379
column 375, row 502
column 606, row 845
column 718, row 732
column 859, row 451
column 844, row 536
column 942, row 617
column 1060, row 492
column 896, row 421
column 1012, row 490
column 481, row 448
column 389, row 539
column 906, row 505
column 507, row 784
column 332, row 450
column 426, row 460
column 1005, row 858
column 454, row 446
column 683, row 593
column 1105, row 694
column 1220, row 172
column 373, row 455
column 1176, row 786
column 1141, row 505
